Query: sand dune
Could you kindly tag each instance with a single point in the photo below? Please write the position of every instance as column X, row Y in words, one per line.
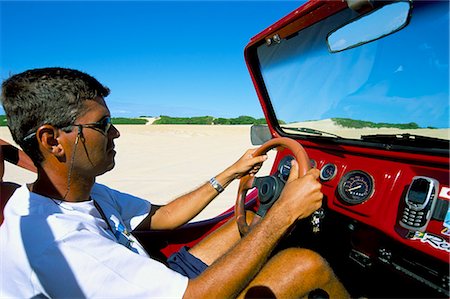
column 162, row 162
column 328, row 125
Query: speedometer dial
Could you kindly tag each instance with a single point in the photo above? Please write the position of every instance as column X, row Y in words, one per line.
column 356, row 187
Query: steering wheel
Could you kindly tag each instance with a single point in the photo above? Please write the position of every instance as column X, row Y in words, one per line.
column 269, row 187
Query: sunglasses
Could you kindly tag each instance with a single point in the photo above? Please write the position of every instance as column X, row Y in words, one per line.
column 103, row 126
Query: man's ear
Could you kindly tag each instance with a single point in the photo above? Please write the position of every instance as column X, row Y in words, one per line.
column 47, row 136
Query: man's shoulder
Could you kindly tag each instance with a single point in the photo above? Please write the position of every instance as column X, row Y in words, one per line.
column 126, row 204
column 26, row 203
column 101, row 192
column 104, row 194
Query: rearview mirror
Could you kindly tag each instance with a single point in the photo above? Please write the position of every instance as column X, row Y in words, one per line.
column 260, row 134
column 369, row 27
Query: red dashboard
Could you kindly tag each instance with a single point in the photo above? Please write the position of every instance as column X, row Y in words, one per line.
column 391, row 175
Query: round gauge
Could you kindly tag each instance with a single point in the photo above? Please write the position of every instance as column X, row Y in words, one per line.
column 356, row 187
column 328, row 172
column 313, row 163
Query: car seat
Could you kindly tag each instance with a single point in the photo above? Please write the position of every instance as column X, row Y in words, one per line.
column 14, row 156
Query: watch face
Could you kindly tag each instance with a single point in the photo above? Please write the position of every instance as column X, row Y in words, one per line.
column 216, row 185
column 328, row 172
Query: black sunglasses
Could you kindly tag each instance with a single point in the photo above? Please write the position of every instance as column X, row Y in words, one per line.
column 103, row 125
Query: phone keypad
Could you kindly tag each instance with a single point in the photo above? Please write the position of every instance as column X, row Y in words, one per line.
column 413, row 218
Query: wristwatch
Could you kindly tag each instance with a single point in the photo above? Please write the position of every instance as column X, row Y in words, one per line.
column 216, row 185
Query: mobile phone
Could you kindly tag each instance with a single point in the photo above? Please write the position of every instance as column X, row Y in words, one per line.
column 420, row 201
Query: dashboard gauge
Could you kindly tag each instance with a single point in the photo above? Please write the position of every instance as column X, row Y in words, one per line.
column 356, row 187
column 328, row 172
column 313, row 163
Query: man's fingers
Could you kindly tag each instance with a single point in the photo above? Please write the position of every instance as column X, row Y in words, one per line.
column 314, row 172
column 294, row 171
column 259, row 159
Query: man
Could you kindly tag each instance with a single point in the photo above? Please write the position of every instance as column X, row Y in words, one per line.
column 67, row 236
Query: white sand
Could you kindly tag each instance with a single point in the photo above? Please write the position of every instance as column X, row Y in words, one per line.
column 161, row 162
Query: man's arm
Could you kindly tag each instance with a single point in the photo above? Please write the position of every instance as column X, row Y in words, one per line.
column 231, row 273
column 186, row 207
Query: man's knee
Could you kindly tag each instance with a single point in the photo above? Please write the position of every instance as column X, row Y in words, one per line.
column 305, row 261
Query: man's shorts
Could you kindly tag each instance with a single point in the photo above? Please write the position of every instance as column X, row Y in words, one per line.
column 186, row 264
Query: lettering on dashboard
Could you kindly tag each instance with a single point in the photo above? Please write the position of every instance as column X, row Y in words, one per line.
column 445, row 193
column 432, row 240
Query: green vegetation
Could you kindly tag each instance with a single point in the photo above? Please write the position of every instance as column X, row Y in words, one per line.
column 199, row 120
column 209, row 120
column 115, row 120
column 352, row 123
column 3, row 121
column 242, row 120
column 128, row 121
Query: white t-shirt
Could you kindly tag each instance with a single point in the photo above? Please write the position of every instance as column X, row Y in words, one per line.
column 66, row 250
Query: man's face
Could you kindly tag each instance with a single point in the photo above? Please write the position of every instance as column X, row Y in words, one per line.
column 94, row 153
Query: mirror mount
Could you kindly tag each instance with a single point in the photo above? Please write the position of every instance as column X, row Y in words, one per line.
column 360, row 6
column 365, row 6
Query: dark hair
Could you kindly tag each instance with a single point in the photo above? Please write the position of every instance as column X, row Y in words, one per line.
column 52, row 96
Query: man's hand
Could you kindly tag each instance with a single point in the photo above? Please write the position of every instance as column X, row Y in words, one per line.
column 301, row 196
column 186, row 207
column 247, row 164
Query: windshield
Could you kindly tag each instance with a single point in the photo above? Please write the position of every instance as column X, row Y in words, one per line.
column 398, row 84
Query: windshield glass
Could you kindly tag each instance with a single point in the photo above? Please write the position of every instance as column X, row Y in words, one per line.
column 398, row 84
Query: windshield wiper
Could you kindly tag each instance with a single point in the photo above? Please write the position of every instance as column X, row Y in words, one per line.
column 310, row 131
column 408, row 140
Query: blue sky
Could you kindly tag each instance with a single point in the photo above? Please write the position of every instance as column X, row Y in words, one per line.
column 177, row 58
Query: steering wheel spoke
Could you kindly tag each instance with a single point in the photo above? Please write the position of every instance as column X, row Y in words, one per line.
column 269, row 190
